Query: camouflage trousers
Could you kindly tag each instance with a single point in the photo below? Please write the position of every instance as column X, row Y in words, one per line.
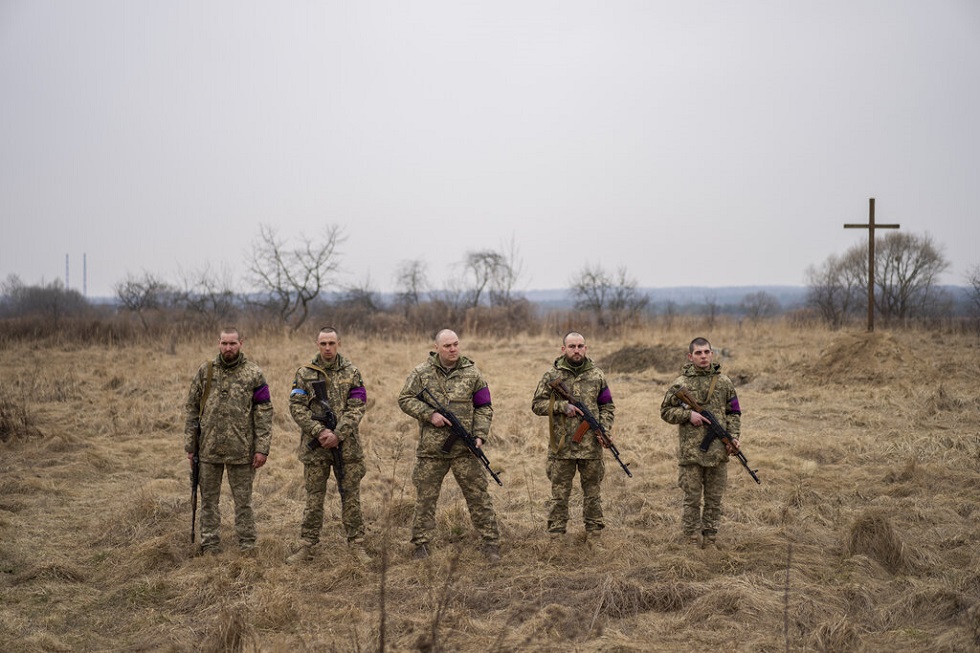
column 240, row 480
column 472, row 480
column 707, row 483
column 315, row 476
column 561, row 473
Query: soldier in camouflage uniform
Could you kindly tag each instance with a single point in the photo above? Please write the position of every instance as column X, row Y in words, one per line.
column 568, row 451
column 347, row 398
column 229, row 426
column 703, row 475
column 460, row 387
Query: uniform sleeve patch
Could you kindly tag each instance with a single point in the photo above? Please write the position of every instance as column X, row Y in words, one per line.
column 605, row 397
column 481, row 397
column 261, row 395
column 358, row 393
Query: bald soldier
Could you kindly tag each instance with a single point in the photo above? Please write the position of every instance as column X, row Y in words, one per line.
column 459, row 386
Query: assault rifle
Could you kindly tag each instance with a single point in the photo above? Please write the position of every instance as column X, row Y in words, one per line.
column 457, row 432
column 590, row 423
column 328, row 419
column 195, row 479
column 715, row 430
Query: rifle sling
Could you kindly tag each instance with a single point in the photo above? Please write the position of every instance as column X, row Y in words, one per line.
column 207, row 389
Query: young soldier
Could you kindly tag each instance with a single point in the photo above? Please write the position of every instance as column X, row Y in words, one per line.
column 332, row 445
column 703, row 475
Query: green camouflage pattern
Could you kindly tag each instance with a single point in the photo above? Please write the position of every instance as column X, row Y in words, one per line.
column 240, row 480
column 427, row 477
column 315, row 477
column 561, row 472
column 454, row 389
column 584, row 382
column 702, row 483
column 672, row 411
column 341, row 376
column 233, row 429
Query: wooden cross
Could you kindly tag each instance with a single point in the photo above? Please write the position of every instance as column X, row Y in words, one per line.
column 871, row 226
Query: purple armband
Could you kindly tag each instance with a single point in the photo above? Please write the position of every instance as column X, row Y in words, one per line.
column 605, row 397
column 261, row 395
column 358, row 393
column 481, row 397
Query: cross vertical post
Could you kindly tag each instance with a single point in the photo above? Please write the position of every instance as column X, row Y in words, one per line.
column 871, row 226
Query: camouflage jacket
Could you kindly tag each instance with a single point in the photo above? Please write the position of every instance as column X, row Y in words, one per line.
column 723, row 404
column 587, row 384
column 236, row 420
column 347, row 399
column 462, row 390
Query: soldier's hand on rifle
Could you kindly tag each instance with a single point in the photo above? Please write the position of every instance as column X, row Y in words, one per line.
column 732, row 447
column 328, row 439
column 571, row 410
column 258, row 460
column 439, row 420
column 190, row 458
column 697, row 419
column 479, row 442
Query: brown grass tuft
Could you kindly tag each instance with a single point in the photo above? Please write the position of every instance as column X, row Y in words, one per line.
column 873, row 535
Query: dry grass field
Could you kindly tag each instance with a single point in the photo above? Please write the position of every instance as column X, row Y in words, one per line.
column 862, row 537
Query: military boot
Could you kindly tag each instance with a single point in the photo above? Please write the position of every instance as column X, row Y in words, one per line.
column 303, row 554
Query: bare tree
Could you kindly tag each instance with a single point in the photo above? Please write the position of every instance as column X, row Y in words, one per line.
column 973, row 278
column 144, row 294
column 907, row 270
column 209, row 294
column 490, row 276
column 290, row 279
column 626, row 303
column 506, row 275
column 759, row 305
column 411, row 283
column 835, row 288
column 612, row 300
column 590, row 290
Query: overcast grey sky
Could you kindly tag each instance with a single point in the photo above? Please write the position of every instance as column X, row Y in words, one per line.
column 695, row 143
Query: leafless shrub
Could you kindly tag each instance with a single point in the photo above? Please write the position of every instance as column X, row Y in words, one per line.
column 17, row 420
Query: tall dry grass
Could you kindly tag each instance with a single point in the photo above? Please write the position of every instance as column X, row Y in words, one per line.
column 862, row 536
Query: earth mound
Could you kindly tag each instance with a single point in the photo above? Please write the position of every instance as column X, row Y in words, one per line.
column 868, row 357
column 637, row 358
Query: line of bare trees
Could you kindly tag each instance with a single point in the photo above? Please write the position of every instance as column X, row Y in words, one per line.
column 289, row 282
column 907, row 271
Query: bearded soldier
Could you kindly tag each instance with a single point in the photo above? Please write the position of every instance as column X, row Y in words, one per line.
column 571, row 448
column 229, row 428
